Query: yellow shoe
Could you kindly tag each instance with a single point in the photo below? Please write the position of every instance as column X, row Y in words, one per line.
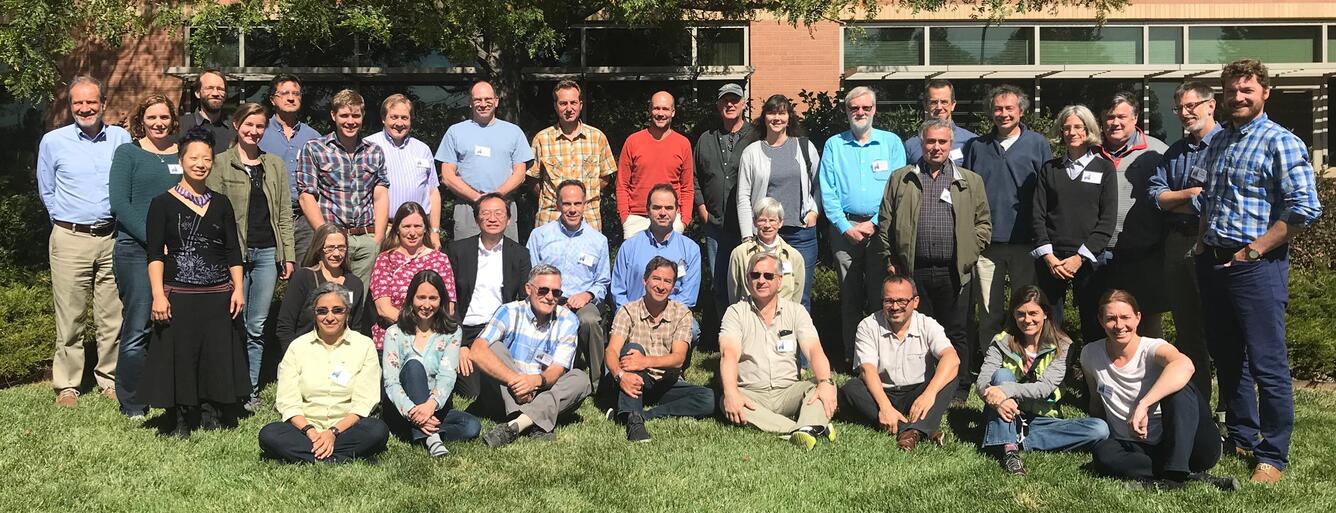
column 802, row 439
column 830, row 432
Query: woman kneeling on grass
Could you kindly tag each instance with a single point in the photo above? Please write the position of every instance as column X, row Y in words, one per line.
column 1019, row 385
column 421, row 358
column 328, row 382
column 1162, row 430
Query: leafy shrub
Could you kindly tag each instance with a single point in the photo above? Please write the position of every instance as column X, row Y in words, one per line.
column 1315, row 250
column 1312, row 337
column 27, row 314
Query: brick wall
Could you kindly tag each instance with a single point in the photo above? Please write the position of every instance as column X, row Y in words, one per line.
column 789, row 59
column 129, row 73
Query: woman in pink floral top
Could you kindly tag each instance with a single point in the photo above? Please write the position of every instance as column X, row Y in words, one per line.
column 406, row 250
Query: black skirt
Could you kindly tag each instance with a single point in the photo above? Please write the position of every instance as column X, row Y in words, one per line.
column 198, row 355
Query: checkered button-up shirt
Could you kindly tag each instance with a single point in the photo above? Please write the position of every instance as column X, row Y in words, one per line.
column 936, row 243
column 585, row 157
column 635, row 323
column 532, row 345
column 343, row 183
column 1258, row 174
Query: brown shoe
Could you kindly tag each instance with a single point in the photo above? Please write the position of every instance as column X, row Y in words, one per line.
column 1266, row 473
column 908, row 439
column 68, row 398
column 109, row 393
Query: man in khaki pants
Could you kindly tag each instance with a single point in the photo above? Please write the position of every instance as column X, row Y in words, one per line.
column 73, row 163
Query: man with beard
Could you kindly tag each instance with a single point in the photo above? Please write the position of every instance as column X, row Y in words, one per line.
column 73, row 165
column 408, row 162
column 570, row 150
column 656, row 155
column 479, row 155
column 210, row 93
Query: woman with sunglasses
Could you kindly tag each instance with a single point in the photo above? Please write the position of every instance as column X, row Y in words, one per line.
column 406, row 251
column 328, row 383
column 767, row 217
column 326, row 261
column 1019, row 385
column 421, row 357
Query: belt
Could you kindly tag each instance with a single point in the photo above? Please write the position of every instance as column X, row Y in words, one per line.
column 361, row 230
column 1220, row 255
column 101, row 229
column 857, row 217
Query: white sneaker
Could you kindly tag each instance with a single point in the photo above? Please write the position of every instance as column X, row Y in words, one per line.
column 436, row 447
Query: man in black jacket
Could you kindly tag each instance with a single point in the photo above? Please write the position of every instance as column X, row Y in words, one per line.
column 477, row 262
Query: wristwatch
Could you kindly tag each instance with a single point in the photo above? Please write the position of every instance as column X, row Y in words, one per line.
column 335, row 430
column 308, row 428
column 826, row 380
column 1251, row 254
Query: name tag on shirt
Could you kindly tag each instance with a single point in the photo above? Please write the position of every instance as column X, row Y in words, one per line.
column 880, row 166
column 946, row 196
column 482, row 151
column 587, row 260
column 957, row 155
column 339, row 375
column 543, row 358
column 682, row 264
column 423, row 163
column 175, row 169
column 786, row 267
column 1198, row 174
column 1091, row 177
column 787, row 343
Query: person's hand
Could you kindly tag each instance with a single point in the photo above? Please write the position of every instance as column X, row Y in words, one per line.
column 578, row 301
column 633, row 361
column 1055, row 267
column 631, row 384
column 704, row 214
column 825, row 392
column 919, row 410
column 855, row 236
column 436, row 239
column 1193, row 191
column 432, row 426
column 993, row 396
column 1071, row 265
column 420, row 413
column 465, row 362
column 286, row 271
column 1140, row 421
column 1007, row 409
column 524, row 399
column 162, row 310
column 238, row 302
column 377, row 237
column 736, row 406
column 889, row 419
column 810, row 220
column 525, row 384
column 890, row 270
column 323, row 444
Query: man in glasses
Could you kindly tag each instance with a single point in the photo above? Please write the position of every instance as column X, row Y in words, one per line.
column 525, row 355
column 759, row 342
column 647, row 353
column 284, row 137
column 479, row 155
column 1176, row 188
column 659, row 240
column 580, row 251
column 908, row 367
column 939, row 102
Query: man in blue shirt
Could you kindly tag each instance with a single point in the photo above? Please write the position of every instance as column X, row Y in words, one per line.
column 581, row 253
column 1260, row 193
column 854, row 168
column 1176, row 189
column 480, row 155
column 939, row 102
column 285, row 137
column 659, row 240
column 73, row 165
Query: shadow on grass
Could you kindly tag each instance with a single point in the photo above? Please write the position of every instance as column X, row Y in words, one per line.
column 966, row 423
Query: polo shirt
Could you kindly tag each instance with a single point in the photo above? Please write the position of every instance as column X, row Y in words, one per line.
column 486, row 155
column 634, row 323
column 73, row 170
column 409, row 167
column 853, row 176
column 534, row 346
column 325, row 385
column 769, row 357
column 628, row 273
column 581, row 256
column 900, row 362
column 277, row 143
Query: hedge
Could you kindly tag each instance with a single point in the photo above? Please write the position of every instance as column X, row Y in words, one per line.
column 26, row 341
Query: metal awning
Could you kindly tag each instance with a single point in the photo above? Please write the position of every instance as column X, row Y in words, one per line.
column 466, row 73
column 1309, row 70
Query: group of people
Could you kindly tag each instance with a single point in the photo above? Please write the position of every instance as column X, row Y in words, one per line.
column 180, row 228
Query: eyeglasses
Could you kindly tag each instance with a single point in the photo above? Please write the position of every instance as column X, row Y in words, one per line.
column 490, row 214
column 1189, row 107
column 324, row 310
column 897, row 302
column 861, row 108
column 544, row 291
column 335, row 249
column 756, row 275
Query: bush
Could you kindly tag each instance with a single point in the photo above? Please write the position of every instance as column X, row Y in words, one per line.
column 1315, row 250
column 27, row 314
column 1312, row 337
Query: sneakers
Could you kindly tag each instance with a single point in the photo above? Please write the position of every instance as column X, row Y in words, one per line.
column 500, row 435
column 1266, row 473
column 1011, row 462
column 802, row 439
column 68, row 398
column 1227, row 484
column 254, row 405
column 435, row 447
column 635, row 429
column 538, row 435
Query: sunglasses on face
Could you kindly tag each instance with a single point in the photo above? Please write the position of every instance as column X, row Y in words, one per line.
column 324, row 310
column 544, row 291
column 755, row 275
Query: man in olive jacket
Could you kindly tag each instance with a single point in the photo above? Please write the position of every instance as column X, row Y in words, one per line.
column 934, row 223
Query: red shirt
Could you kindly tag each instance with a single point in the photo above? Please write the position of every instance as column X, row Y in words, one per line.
column 646, row 162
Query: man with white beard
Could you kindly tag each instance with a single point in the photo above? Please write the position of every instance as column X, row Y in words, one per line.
column 854, row 168
column 210, row 93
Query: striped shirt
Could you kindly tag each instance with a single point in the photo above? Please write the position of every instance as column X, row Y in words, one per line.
column 1258, row 174
column 634, row 323
column 343, row 183
column 557, row 158
column 534, row 346
column 411, row 169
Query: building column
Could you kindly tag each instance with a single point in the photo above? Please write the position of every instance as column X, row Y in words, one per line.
column 1321, row 124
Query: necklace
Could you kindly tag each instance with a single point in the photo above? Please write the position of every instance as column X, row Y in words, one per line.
column 198, row 200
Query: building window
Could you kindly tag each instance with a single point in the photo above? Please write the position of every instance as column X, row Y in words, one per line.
column 883, row 46
column 637, row 47
column 991, row 45
column 263, row 49
column 1166, row 45
column 720, row 46
column 1221, row 45
column 1090, row 45
column 225, row 54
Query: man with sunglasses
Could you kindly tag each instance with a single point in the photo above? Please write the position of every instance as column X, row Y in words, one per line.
column 525, row 355
column 479, row 155
column 760, row 341
column 908, row 367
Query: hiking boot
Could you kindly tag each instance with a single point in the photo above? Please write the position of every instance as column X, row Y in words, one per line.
column 500, row 435
column 635, row 429
column 1011, row 462
column 908, row 439
column 1228, row 484
column 68, row 398
column 1266, row 473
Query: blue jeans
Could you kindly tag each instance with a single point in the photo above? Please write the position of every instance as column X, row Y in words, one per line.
column 455, row 425
column 130, row 265
column 671, row 396
column 719, row 245
column 1043, row 433
column 803, row 240
column 1244, row 308
column 258, row 277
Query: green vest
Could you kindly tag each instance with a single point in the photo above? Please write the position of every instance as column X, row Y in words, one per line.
column 1013, row 362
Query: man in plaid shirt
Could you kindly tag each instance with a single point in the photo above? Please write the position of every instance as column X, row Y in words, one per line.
column 570, row 150
column 341, row 180
column 1260, row 193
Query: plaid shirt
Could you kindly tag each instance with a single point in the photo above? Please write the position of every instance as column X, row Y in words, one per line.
column 534, row 347
column 586, row 157
column 1258, row 174
column 343, row 183
column 636, row 325
column 936, row 243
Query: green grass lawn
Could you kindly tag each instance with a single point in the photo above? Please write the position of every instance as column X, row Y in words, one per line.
column 93, row 459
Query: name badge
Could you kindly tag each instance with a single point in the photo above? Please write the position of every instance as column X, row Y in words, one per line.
column 957, row 156
column 423, row 163
column 1198, row 174
column 543, row 358
column 587, row 260
column 879, row 166
column 785, row 267
column 946, row 196
column 682, row 264
column 339, row 375
column 482, row 151
column 175, row 169
column 1091, row 177
column 787, row 343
